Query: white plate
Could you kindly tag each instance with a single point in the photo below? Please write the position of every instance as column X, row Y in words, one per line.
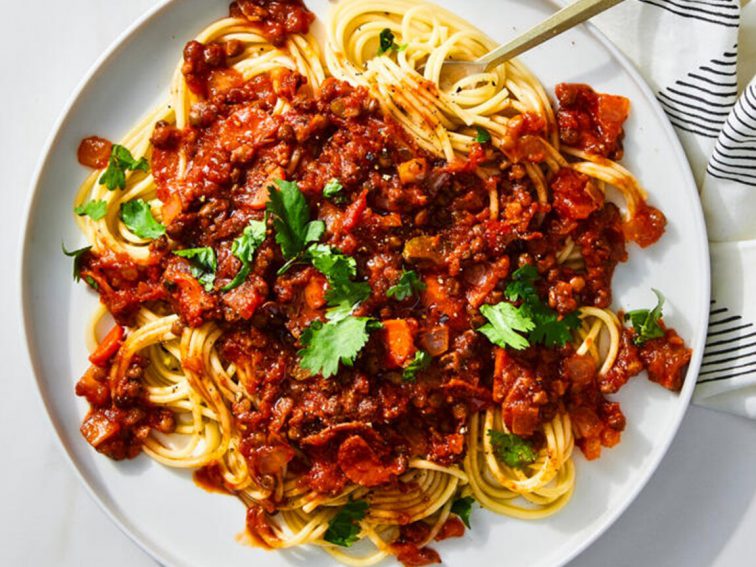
column 162, row 509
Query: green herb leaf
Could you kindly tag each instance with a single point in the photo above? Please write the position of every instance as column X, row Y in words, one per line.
column 119, row 163
column 462, row 507
column 339, row 340
column 91, row 282
column 387, row 43
column 549, row 328
column 504, row 320
column 343, row 294
column 291, row 221
column 203, row 264
column 646, row 322
column 331, row 262
column 482, row 135
column 421, row 361
column 511, row 449
column 522, row 284
column 409, row 283
column 244, row 248
column 137, row 215
column 332, row 188
column 77, row 259
column 94, row 209
column 343, row 529
column 386, row 39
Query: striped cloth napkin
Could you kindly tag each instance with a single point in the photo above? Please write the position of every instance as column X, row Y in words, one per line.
column 688, row 52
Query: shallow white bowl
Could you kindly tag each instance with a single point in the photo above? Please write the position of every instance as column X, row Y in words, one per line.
column 180, row 524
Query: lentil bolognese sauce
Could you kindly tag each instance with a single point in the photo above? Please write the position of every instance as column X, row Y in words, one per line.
column 360, row 298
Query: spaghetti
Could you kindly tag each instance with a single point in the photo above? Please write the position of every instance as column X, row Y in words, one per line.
column 428, row 190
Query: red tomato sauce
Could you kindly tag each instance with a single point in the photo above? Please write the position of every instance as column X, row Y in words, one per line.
column 400, row 209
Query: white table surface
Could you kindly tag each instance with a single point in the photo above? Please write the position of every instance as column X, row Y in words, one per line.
column 698, row 510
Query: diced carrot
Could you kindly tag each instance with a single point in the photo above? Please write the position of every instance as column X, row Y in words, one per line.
column 108, row 347
column 314, row 292
column 171, row 208
column 400, row 345
column 412, row 171
column 434, row 293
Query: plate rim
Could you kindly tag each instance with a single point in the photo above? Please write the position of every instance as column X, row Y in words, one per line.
column 33, row 355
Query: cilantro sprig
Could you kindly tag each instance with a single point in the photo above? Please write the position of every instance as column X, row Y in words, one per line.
column 244, row 248
column 409, row 284
column 343, row 294
column 337, row 341
column 462, row 507
column 646, row 322
column 119, row 163
column 95, row 209
column 77, row 256
column 549, row 328
column 388, row 43
column 504, row 322
column 542, row 324
column 511, row 449
column 421, row 361
column 482, row 136
column 291, row 221
column 202, row 263
column 137, row 216
column 344, row 528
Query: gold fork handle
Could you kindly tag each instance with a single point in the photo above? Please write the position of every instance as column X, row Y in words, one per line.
column 564, row 19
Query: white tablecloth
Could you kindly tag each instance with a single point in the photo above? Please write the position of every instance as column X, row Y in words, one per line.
column 698, row 510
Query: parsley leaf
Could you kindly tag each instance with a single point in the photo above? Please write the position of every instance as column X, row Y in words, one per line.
column 137, row 215
column 77, row 259
column 203, row 264
column 338, row 340
column 408, row 284
column 482, row 135
column 291, row 221
column 344, row 528
column 332, row 188
column 387, row 42
column 462, row 507
column 549, row 329
column 511, row 449
column 332, row 263
column 646, row 322
column 244, row 248
column 95, row 209
column 343, row 294
column 119, row 163
column 421, row 361
column 521, row 286
column 504, row 319
column 92, row 283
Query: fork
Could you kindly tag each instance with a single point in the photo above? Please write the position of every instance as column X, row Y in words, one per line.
column 566, row 18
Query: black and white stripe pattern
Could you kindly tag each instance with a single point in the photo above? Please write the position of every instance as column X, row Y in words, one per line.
column 734, row 155
column 730, row 347
column 700, row 102
column 719, row 12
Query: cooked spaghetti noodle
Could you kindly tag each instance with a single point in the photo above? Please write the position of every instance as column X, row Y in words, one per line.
column 472, row 174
